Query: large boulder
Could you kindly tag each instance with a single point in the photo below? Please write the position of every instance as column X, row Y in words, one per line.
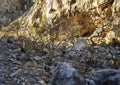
column 65, row 75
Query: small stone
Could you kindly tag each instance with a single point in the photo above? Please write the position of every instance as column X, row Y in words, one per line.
column 37, row 58
column 15, row 61
column 20, row 57
column 13, row 74
column 90, row 82
column 42, row 82
column 37, row 78
column 80, row 44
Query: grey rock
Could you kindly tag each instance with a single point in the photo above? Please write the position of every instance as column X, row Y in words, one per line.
column 13, row 74
column 106, row 77
column 20, row 57
column 80, row 44
column 65, row 75
column 37, row 58
column 90, row 82
column 2, row 82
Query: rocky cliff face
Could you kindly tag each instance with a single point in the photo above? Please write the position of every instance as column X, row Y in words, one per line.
column 11, row 9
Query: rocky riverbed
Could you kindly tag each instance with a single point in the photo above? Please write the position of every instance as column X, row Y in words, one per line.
column 89, row 65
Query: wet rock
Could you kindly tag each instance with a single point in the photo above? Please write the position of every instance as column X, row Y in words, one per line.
column 105, row 77
column 65, row 75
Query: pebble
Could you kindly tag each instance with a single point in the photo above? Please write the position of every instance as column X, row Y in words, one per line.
column 13, row 74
